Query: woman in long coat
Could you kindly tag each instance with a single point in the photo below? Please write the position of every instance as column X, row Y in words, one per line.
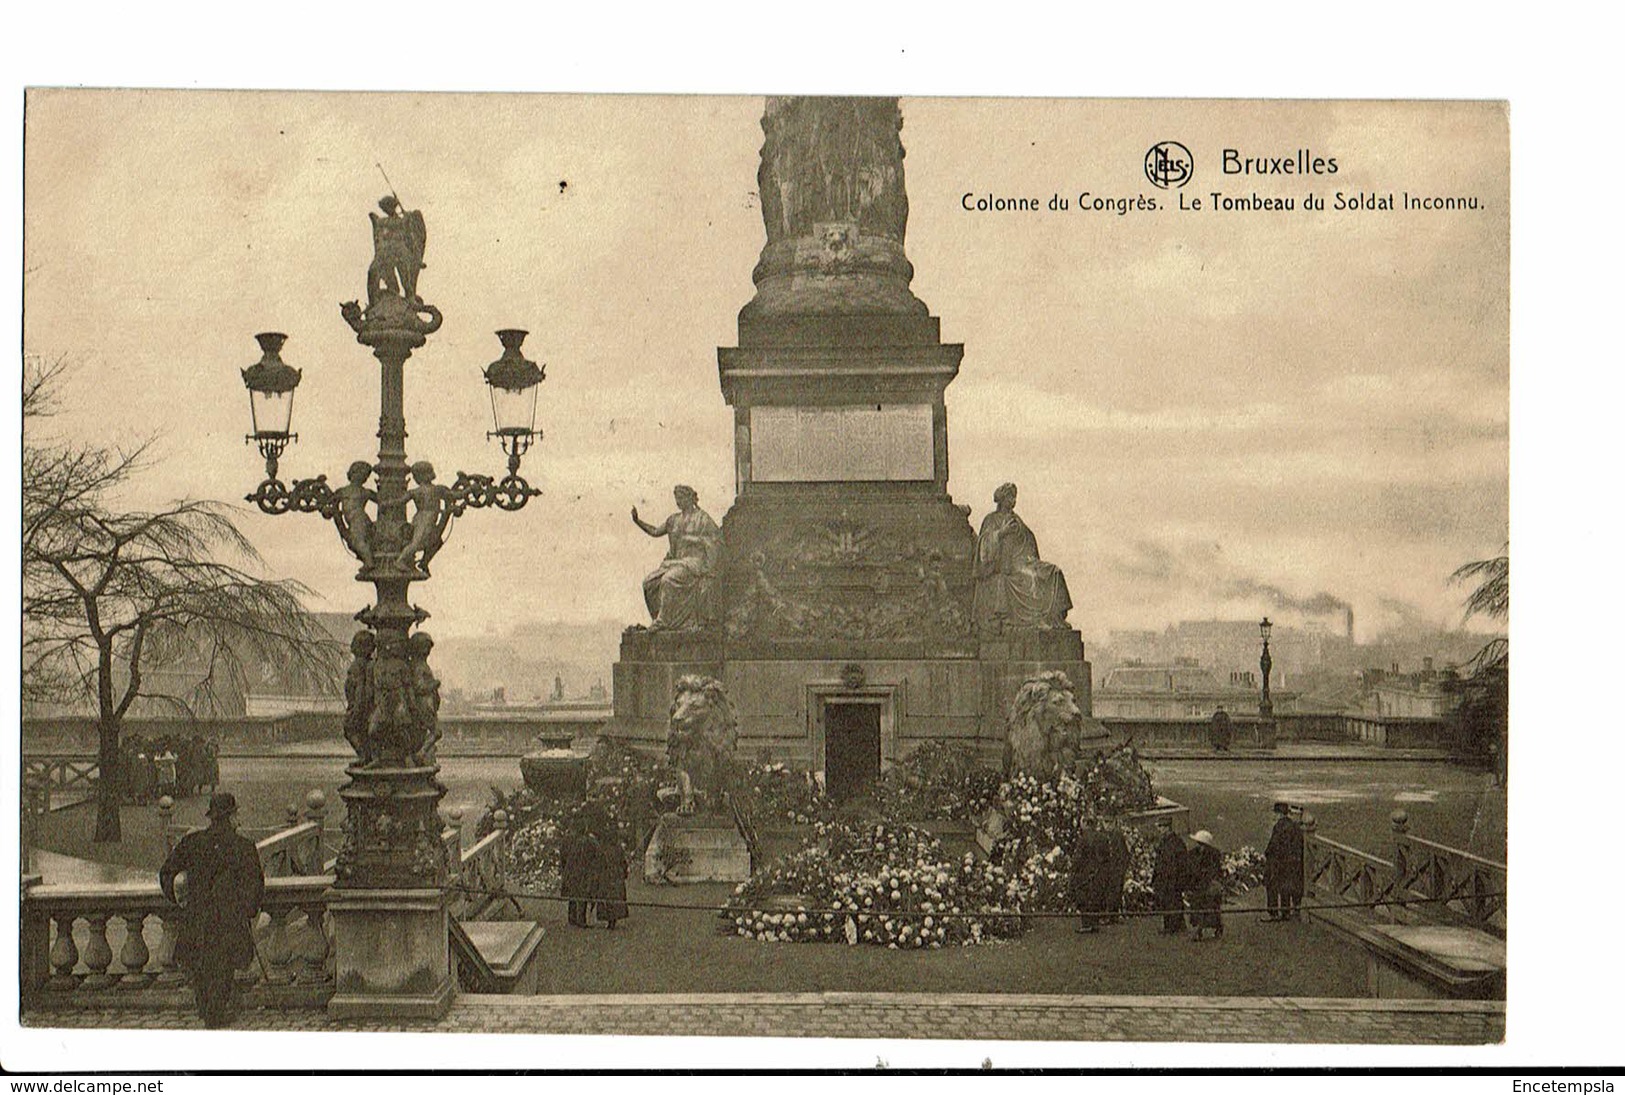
column 1091, row 886
column 578, row 867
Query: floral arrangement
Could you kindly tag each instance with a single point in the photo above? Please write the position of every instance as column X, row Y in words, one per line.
column 624, row 782
column 939, row 780
column 782, row 795
column 533, row 855
column 1116, row 783
column 1243, row 869
column 880, row 884
column 887, row 881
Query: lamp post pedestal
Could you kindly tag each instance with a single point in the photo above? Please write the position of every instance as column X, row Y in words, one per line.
column 392, row 955
column 388, row 904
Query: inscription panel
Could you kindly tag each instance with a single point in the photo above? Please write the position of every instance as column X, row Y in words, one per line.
column 884, row 442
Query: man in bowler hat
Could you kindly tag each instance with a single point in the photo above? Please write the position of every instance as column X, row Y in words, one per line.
column 1283, row 867
column 220, row 887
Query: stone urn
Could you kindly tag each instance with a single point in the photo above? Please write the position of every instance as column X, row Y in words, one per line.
column 557, row 769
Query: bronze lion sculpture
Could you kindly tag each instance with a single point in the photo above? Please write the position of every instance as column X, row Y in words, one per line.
column 1045, row 732
column 703, row 737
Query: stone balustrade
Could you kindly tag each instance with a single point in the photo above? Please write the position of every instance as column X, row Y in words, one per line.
column 113, row 944
column 298, row 848
column 482, row 867
column 88, row 946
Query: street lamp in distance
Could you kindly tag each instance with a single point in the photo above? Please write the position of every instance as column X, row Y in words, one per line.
column 1266, row 709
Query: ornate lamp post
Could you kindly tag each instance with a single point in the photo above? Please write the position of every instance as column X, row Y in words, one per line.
column 388, row 903
column 1266, row 709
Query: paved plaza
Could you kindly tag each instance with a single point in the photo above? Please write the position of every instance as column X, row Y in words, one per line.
column 1005, row 1017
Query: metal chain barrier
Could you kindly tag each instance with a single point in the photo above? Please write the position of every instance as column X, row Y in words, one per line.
column 989, row 914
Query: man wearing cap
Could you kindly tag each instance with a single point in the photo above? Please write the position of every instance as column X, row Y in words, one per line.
column 1204, row 886
column 1283, row 867
column 222, row 886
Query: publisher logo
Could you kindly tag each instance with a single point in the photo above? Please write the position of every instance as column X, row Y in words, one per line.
column 1169, row 163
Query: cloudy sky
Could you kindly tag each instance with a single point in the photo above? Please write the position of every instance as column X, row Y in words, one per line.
column 1207, row 413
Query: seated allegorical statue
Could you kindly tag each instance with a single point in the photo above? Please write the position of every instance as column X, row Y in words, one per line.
column 1015, row 589
column 678, row 592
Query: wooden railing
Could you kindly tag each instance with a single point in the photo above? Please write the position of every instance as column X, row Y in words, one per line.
column 1458, row 885
column 1424, row 881
column 1339, row 873
column 54, row 775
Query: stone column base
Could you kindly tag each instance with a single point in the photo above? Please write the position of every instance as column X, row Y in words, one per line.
column 393, row 954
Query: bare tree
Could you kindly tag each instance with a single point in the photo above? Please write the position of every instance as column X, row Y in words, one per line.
column 107, row 594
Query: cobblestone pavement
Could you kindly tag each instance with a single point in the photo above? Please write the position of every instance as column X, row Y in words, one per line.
column 1009, row 1017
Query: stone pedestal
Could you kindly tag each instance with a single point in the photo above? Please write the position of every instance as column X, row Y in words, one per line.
column 393, row 955
column 701, row 848
column 926, row 688
column 388, row 903
column 1434, row 962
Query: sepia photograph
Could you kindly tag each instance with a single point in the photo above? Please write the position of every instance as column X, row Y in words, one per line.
column 772, row 566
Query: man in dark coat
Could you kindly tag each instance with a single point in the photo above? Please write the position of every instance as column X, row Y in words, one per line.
column 1091, row 883
column 577, row 866
column 1283, row 867
column 1219, row 732
column 1117, row 873
column 1168, row 878
column 607, row 884
column 222, row 888
column 1204, row 885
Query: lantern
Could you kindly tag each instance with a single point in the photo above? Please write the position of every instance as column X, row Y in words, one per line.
column 513, row 381
column 271, row 383
column 1264, row 626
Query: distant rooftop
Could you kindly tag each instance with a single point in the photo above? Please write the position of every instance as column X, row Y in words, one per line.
column 1166, row 678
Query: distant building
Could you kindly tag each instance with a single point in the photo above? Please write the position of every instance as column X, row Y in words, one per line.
column 545, row 710
column 268, row 689
column 1426, row 693
column 1183, row 690
column 1232, row 646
